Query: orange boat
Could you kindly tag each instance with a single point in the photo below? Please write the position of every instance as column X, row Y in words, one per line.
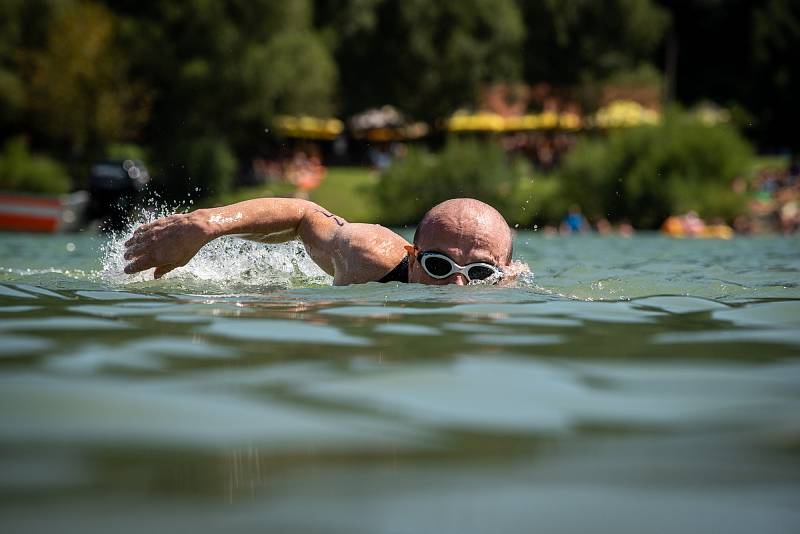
column 42, row 213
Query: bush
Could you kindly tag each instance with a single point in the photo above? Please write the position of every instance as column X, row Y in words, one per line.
column 211, row 165
column 646, row 174
column 24, row 172
column 203, row 165
column 412, row 185
column 538, row 201
column 116, row 151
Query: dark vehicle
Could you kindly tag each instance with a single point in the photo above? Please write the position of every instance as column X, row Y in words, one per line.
column 114, row 188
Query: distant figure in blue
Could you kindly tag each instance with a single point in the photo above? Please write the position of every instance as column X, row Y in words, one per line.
column 574, row 221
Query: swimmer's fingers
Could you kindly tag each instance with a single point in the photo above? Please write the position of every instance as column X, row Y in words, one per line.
column 141, row 229
column 137, row 237
column 144, row 231
column 135, row 250
column 137, row 246
column 141, row 263
column 143, row 237
column 132, row 241
column 162, row 270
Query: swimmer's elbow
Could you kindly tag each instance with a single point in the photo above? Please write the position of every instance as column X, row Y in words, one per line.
column 320, row 239
column 318, row 226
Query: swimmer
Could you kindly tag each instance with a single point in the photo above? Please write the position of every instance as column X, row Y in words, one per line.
column 457, row 241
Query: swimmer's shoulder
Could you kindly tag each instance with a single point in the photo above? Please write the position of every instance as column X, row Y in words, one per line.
column 367, row 252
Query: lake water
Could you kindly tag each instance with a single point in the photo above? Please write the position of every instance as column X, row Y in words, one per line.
column 633, row 385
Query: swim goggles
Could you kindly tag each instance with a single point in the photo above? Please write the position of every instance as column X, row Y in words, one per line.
column 439, row 266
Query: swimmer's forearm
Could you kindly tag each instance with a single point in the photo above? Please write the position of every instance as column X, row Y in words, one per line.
column 172, row 241
column 274, row 219
column 277, row 220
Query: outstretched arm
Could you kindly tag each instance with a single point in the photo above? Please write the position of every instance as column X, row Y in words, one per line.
column 352, row 253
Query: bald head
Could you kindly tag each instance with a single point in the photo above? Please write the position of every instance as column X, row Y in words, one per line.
column 472, row 226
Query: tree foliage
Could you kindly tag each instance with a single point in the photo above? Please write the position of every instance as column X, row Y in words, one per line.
column 749, row 64
column 222, row 71
column 465, row 168
column 80, row 91
column 77, row 76
column 224, row 67
column 579, row 41
column 646, row 174
column 427, row 58
column 22, row 171
column 22, row 23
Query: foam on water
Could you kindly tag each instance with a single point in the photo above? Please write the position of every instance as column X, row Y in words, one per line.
column 226, row 262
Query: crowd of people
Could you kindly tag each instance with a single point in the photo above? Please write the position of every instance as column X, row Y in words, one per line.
column 303, row 170
column 544, row 149
column 773, row 205
column 690, row 224
column 773, row 201
column 575, row 222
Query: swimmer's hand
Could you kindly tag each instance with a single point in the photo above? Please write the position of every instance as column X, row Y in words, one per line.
column 167, row 243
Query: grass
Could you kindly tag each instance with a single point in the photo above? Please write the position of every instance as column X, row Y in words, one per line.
column 346, row 191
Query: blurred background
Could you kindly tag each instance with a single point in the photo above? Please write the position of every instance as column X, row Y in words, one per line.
column 570, row 116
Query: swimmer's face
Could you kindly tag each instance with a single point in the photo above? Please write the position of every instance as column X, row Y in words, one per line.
column 466, row 231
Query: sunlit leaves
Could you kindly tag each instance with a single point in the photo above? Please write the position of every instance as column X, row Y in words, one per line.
column 80, row 89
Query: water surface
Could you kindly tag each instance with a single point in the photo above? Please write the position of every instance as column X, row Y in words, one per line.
column 632, row 385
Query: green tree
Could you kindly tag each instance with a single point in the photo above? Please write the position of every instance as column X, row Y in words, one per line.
column 23, row 25
column 578, row 41
column 223, row 69
column 292, row 73
column 427, row 58
column 749, row 65
column 12, row 90
column 464, row 168
column 22, row 171
column 80, row 92
column 776, row 40
column 646, row 174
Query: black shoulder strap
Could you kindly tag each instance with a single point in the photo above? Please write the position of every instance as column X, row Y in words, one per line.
column 398, row 274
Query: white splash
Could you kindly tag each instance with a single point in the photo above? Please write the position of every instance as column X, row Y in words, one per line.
column 225, row 263
column 515, row 274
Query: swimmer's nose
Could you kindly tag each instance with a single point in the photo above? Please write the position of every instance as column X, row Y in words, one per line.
column 460, row 280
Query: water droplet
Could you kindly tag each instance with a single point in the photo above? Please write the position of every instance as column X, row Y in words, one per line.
column 70, row 247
